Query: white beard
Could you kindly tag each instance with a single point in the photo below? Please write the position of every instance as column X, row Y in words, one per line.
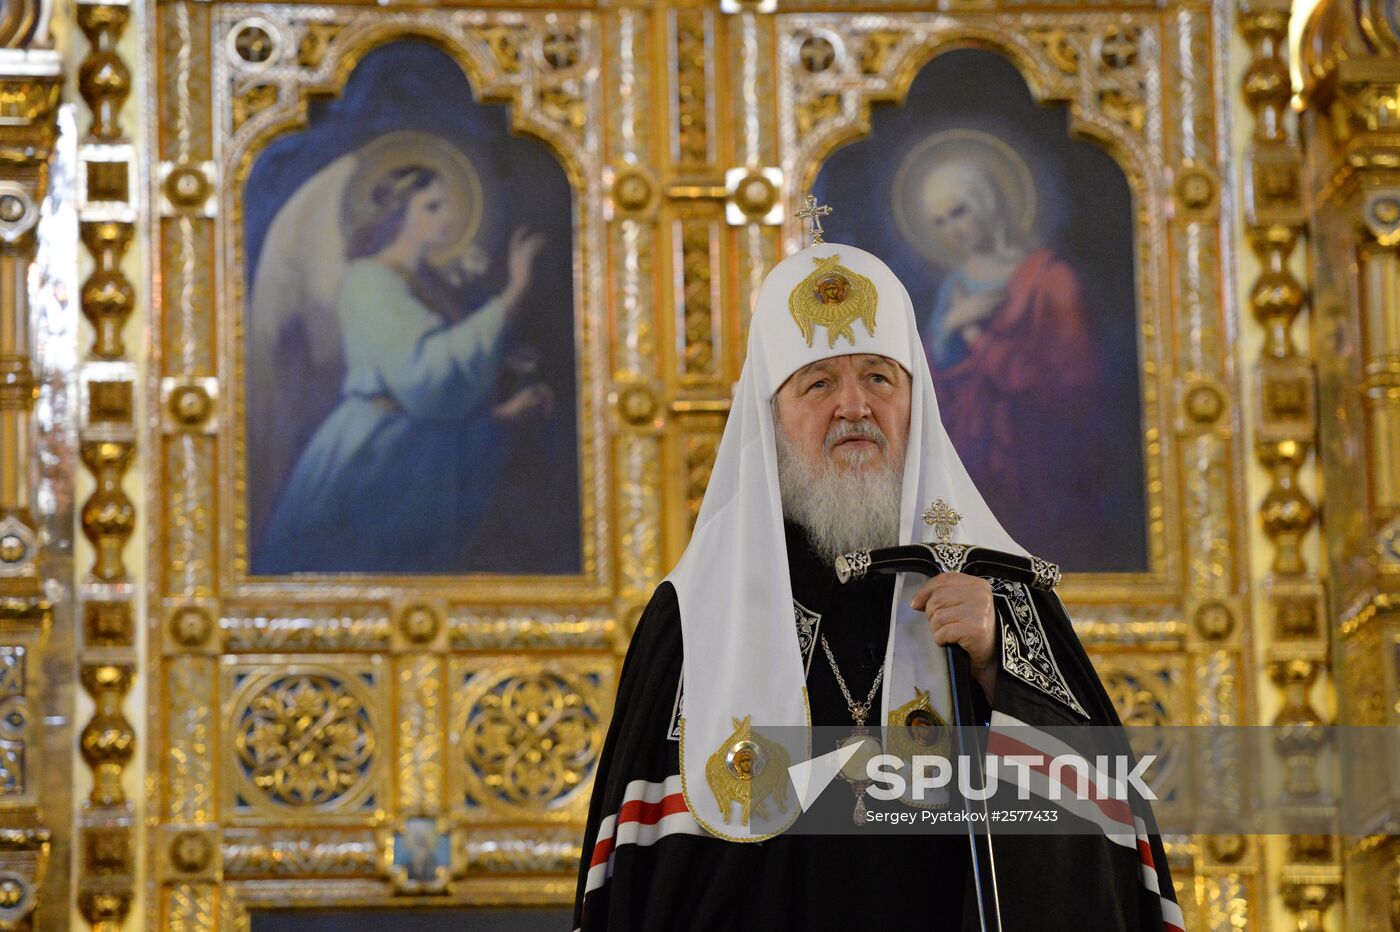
column 841, row 510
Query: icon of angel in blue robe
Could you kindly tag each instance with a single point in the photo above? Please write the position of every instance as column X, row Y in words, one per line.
column 358, row 275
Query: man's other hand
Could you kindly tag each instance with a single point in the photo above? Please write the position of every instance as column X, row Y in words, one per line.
column 960, row 611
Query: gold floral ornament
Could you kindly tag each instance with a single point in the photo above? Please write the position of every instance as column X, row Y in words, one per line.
column 834, row 297
column 747, row 769
column 533, row 739
column 305, row 740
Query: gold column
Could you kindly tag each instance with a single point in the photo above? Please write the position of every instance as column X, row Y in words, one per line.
column 107, row 838
column 30, row 84
column 1296, row 653
column 1351, row 65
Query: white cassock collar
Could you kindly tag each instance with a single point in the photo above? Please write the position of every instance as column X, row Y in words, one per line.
column 744, row 712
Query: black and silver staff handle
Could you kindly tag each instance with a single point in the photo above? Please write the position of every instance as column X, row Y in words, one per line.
column 929, row 560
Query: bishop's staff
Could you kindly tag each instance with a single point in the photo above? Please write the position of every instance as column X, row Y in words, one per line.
column 930, row 559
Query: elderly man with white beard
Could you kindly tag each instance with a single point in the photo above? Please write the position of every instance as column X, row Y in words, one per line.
column 833, row 445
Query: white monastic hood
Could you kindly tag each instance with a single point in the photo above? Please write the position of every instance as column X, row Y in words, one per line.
column 742, row 659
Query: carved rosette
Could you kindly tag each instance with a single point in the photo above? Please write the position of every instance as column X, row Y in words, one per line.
column 305, row 739
column 531, row 733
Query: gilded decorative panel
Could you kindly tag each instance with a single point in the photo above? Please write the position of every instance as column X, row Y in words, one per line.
column 415, row 705
column 346, row 714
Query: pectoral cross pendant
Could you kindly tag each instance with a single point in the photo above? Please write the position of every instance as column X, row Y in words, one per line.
column 942, row 518
column 854, row 772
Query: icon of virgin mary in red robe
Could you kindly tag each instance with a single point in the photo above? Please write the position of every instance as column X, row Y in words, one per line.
column 1008, row 338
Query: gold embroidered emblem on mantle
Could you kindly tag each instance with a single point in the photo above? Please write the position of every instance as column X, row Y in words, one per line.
column 748, row 769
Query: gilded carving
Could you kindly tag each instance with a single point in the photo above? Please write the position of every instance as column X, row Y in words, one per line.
column 1141, row 690
column 109, row 402
column 692, row 144
column 532, row 740
column 107, row 298
column 530, row 732
column 309, row 627
column 1299, row 738
column 1309, row 895
column 105, row 885
column 560, row 49
column 191, row 851
column 528, row 850
column 104, row 910
column 14, row 721
column 1204, row 404
column 1225, row 900
column 103, row 78
column 190, row 626
column 1226, row 849
column 188, row 766
column 633, row 191
column 30, row 105
column 107, row 743
column 108, row 517
column 189, row 907
column 639, row 531
column 107, row 624
column 251, row 101
column 419, row 623
column 188, row 188
column 1286, row 431
column 108, row 740
column 419, row 738
column 247, row 854
column 190, row 403
column 108, row 181
column 564, row 104
column 754, row 195
column 816, row 54
column 254, row 41
column 305, row 738
column 817, row 110
column 524, row 627
column 1214, row 620
column 1195, row 190
column 637, row 405
column 21, row 24
column 876, row 49
column 700, row 452
column 698, row 301
column 1381, row 211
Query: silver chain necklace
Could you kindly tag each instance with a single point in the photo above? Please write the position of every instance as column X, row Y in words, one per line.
column 861, row 710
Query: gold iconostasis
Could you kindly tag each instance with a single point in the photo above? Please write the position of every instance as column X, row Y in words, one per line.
column 297, row 615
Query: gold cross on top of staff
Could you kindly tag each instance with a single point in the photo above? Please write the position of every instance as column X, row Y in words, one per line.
column 943, row 519
column 813, row 214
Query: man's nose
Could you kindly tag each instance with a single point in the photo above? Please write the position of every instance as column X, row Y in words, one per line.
column 851, row 403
